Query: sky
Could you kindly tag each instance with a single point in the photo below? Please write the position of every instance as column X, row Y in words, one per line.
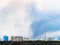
column 30, row 18
column 49, row 21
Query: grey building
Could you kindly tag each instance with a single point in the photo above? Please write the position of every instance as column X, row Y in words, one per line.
column 16, row 38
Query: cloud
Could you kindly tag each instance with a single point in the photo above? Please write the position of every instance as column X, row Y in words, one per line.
column 16, row 20
column 3, row 3
column 47, row 5
column 46, row 16
column 46, row 25
column 43, row 12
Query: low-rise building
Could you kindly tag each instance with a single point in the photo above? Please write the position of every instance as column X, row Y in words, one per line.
column 16, row 38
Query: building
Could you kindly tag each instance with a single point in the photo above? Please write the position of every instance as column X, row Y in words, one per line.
column 16, row 38
column 50, row 39
column 26, row 39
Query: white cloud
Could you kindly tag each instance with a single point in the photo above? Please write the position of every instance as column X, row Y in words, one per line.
column 3, row 3
column 50, row 5
column 18, row 22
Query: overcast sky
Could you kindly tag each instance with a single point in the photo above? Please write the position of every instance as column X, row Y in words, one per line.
column 29, row 18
